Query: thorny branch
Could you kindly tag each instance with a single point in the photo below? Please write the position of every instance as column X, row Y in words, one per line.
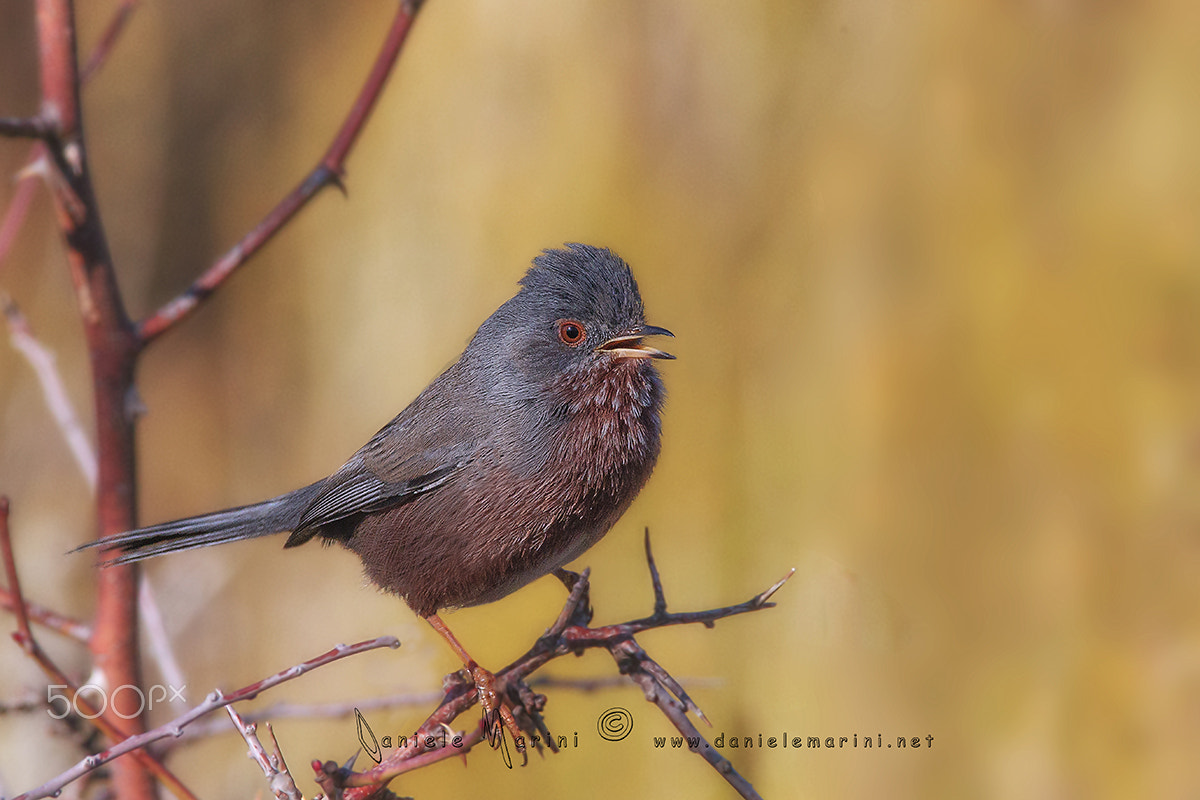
column 570, row 634
column 286, row 710
column 18, row 207
column 112, row 351
column 114, row 342
column 283, row 786
column 215, row 700
column 328, row 172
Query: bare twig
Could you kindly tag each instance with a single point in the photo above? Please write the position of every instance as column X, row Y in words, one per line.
column 676, row 712
column 13, row 600
column 278, row 711
column 567, row 635
column 101, row 718
column 10, row 574
column 371, row 784
column 14, row 215
column 213, row 702
column 26, row 127
column 280, row 763
column 108, row 39
column 22, row 705
column 660, row 599
column 273, row 766
column 105, row 719
column 112, row 351
column 249, row 732
column 329, row 171
column 156, row 634
column 51, row 620
column 54, row 391
column 114, row 343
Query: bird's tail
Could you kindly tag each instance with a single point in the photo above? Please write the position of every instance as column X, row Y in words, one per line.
column 276, row 515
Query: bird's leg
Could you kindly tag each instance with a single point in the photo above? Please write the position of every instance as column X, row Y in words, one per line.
column 485, row 682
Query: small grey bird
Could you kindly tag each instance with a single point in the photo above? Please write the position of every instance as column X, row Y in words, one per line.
column 511, row 463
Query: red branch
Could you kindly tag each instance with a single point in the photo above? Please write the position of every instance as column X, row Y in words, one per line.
column 106, row 719
column 48, row 618
column 10, row 574
column 14, row 216
column 112, row 348
column 570, row 633
column 329, row 171
column 114, row 342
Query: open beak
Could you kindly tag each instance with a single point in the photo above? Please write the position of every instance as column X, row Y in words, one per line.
column 629, row 344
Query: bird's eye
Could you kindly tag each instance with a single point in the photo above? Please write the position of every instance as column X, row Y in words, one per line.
column 571, row 332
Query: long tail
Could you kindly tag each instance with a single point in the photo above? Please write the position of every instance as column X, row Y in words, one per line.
column 277, row 515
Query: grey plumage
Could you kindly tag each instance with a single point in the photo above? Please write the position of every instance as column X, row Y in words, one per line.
column 513, row 461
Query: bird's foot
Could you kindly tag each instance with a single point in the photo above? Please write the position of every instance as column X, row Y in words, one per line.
column 498, row 709
column 507, row 704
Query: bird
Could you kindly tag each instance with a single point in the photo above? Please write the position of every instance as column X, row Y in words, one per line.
column 511, row 463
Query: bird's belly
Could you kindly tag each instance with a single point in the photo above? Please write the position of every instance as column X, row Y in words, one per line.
column 498, row 525
column 487, row 535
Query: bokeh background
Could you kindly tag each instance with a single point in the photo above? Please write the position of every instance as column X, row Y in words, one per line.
column 933, row 270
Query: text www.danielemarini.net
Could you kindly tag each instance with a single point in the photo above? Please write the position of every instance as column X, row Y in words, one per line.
column 786, row 742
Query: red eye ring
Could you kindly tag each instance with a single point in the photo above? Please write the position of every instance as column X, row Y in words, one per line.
column 571, row 332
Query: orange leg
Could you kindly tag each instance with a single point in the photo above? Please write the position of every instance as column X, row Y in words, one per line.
column 485, row 682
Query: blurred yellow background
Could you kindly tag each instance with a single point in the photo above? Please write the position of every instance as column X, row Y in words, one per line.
column 933, row 270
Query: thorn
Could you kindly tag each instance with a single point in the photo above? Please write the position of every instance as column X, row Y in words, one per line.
column 762, row 599
column 349, row 765
column 38, row 168
column 338, row 180
column 660, row 599
column 326, row 175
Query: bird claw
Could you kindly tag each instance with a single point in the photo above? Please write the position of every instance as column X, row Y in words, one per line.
column 502, row 702
column 496, row 706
